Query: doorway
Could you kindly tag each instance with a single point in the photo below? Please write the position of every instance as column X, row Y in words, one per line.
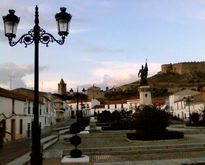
column 13, row 129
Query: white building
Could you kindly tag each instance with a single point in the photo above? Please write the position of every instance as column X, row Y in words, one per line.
column 16, row 113
column 118, row 105
column 184, row 103
column 84, row 105
column 62, row 109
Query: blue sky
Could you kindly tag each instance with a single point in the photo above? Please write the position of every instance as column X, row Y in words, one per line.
column 109, row 41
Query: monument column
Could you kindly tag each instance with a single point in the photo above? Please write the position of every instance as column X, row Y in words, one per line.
column 144, row 89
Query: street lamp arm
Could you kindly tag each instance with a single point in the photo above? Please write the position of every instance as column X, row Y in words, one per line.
column 46, row 38
column 26, row 39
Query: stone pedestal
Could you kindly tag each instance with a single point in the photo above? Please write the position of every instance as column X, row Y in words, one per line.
column 145, row 95
column 68, row 159
column 92, row 124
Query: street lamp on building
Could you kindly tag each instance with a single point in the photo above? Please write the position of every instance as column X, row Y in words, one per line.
column 36, row 35
column 188, row 99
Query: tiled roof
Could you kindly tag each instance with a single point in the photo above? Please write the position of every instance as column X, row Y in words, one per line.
column 98, row 106
column 194, row 98
column 134, row 98
column 158, row 102
column 16, row 95
column 74, row 101
column 117, row 102
column 13, row 95
column 186, row 92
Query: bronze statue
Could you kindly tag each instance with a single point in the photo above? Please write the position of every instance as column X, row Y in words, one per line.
column 143, row 73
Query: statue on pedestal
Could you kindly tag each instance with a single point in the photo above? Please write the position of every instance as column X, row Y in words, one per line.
column 143, row 72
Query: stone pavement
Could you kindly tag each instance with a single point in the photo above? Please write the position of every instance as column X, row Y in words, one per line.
column 18, row 151
column 106, row 161
column 14, row 149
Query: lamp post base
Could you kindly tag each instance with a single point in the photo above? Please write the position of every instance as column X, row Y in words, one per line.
column 36, row 159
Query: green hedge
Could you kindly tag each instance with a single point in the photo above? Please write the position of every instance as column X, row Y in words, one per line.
column 155, row 135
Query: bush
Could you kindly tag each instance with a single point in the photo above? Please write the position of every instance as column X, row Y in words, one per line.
column 75, row 128
column 121, row 125
column 83, row 122
column 75, row 140
column 155, row 135
column 151, row 120
column 76, row 153
column 194, row 117
column 104, row 117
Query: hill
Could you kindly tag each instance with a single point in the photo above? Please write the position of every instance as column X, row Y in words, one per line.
column 164, row 84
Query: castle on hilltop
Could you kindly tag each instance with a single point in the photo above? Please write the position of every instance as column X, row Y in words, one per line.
column 183, row 68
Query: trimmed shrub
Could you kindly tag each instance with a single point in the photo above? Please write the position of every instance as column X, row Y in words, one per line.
column 194, row 117
column 76, row 153
column 120, row 125
column 85, row 121
column 104, row 117
column 151, row 120
column 75, row 140
column 155, row 135
column 75, row 128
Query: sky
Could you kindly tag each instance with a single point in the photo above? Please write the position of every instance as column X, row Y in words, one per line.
column 109, row 40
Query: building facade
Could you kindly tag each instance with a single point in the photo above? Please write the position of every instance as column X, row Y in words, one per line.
column 94, row 93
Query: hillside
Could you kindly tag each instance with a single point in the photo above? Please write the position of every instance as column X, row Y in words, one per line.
column 164, row 84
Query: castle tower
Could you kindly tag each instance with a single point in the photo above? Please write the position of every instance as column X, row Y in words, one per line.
column 62, row 87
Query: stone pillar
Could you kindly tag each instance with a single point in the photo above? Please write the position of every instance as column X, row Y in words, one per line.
column 145, row 95
column 92, row 124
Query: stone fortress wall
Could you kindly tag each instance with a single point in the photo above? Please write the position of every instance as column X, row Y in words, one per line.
column 183, row 68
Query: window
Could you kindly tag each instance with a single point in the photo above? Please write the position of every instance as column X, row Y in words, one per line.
column 40, row 111
column 28, row 129
column 115, row 105
column 122, row 106
column 13, row 104
column 29, row 108
column 145, row 94
column 21, row 127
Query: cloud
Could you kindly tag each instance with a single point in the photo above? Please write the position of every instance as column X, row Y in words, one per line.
column 12, row 74
column 120, row 73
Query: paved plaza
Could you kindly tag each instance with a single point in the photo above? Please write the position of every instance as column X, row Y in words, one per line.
column 112, row 147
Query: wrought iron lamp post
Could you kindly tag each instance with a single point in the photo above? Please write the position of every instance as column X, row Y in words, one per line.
column 77, row 101
column 36, row 35
column 188, row 100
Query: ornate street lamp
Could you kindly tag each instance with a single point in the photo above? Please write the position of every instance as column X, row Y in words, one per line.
column 10, row 24
column 78, row 113
column 36, row 35
column 188, row 99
